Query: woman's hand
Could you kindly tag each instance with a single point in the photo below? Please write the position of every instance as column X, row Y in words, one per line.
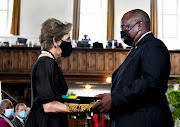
column 55, row 107
column 58, row 107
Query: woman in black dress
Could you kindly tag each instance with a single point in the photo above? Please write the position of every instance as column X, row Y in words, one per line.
column 47, row 80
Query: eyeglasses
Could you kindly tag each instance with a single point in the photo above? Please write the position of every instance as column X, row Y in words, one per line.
column 127, row 27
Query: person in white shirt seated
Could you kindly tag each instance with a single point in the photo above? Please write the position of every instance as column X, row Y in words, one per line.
column 20, row 111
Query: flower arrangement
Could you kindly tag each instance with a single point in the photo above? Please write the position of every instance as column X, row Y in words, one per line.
column 174, row 99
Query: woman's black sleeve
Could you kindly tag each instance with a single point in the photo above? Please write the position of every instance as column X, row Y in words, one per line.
column 45, row 85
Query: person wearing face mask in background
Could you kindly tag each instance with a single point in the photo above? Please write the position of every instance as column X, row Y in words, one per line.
column 6, row 113
column 47, row 79
column 137, row 97
column 20, row 111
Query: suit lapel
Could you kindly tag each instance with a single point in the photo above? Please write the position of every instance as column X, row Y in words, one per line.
column 19, row 122
column 139, row 44
column 121, row 66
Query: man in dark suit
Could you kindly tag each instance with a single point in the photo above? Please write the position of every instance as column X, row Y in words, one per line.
column 20, row 111
column 139, row 85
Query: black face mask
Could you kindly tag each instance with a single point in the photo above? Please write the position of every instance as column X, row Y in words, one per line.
column 66, row 48
column 125, row 36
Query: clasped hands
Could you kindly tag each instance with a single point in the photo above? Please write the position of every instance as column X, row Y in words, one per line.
column 105, row 104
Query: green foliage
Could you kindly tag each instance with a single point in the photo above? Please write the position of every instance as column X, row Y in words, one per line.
column 174, row 99
column 176, row 114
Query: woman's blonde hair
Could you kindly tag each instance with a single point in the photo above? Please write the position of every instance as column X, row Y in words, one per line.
column 52, row 28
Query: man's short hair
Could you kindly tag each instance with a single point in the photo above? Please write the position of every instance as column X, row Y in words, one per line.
column 3, row 102
column 19, row 104
column 142, row 16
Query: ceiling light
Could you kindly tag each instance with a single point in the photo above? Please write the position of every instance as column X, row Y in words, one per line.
column 108, row 79
column 87, row 86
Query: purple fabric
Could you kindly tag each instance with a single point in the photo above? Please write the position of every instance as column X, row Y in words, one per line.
column 4, row 123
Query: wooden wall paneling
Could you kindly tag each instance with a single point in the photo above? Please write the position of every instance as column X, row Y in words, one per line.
column 177, row 63
column 24, row 61
column 82, row 61
column 76, row 122
column 106, row 61
column 20, row 60
column 70, row 62
column 64, row 63
column 6, row 61
column 73, row 61
column 117, row 59
column 91, row 61
column 71, row 122
column 33, row 56
column 88, row 61
column 101, row 61
column 97, row 61
column 83, row 64
column 172, row 64
column 79, row 122
column 111, row 61
column 15, row 60
column 122, row 57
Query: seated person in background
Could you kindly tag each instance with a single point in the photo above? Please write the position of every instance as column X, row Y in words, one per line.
column 84, row 42
column 20, row 111
column 86, row 37
column 6, row 113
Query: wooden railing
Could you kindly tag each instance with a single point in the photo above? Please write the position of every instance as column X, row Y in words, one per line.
column 93, row 65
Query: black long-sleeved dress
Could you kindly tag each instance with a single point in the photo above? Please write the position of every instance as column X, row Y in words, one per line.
column 47, row 84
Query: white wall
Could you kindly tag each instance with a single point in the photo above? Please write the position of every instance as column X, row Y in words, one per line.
column 123, row 6
column 35, row 12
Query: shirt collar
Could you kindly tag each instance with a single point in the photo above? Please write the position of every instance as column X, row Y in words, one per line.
column 143, row 36
column 49, row 53
column 20, row 119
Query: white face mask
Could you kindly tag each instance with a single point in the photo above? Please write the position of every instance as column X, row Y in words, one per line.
column 9, row 112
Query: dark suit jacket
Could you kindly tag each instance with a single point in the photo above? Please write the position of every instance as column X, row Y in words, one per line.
column 17, row 122
column 139, row 86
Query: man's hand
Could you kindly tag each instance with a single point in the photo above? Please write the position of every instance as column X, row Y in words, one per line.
column 105, row 104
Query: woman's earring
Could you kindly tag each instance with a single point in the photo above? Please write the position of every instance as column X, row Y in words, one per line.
column 55, row 46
